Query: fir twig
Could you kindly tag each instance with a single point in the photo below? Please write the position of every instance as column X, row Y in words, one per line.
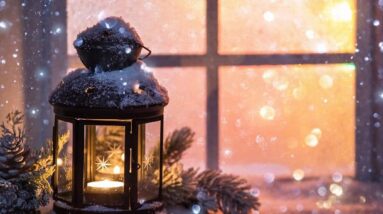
column 231, row 192
column 211, row 189
column 175, row 145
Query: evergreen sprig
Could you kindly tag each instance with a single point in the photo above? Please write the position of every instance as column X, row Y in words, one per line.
column 24, row 175
column 211, row 189
column 232, row 193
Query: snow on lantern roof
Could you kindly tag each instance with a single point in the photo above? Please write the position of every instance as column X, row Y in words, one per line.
column 122, row 89
column 111, row 44
column 115, row 78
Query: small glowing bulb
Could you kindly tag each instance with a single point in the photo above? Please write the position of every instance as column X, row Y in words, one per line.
column 123, row 157
column 311, row 140
column 267, row 112
column 116, row 170
column 336, row 189
column 59, row 162
column 326, row 81
column 298, row 174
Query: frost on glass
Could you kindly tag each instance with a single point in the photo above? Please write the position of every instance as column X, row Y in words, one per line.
column 287, row 120
column 187, row 107
column 294, row 26
column 64, row 160
column 165, row 26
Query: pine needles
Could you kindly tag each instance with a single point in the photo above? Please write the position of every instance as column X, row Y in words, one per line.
column 211, row 189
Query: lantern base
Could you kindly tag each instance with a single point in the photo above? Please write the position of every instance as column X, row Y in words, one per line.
column 64, row 208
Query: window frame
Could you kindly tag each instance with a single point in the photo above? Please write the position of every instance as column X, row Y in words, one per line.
column 368, row 162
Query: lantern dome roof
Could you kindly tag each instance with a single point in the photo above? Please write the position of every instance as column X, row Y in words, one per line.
column 131, row 87
column 114, row 78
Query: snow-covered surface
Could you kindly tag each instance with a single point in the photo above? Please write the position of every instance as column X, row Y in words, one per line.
column 112, row 30
column 101, row 209
column 122, row 89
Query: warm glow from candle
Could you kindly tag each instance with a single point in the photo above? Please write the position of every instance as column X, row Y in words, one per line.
column 116, row 170
column 123, row 157
column 59, row 162
column 105, row 184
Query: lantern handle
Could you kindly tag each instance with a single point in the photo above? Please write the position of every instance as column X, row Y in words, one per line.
column 147, row 55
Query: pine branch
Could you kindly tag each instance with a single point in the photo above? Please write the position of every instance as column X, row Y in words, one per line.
column 181, row 192
column 232, row 193
column 175, row 145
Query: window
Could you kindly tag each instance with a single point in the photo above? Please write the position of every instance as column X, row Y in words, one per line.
column 248, row 80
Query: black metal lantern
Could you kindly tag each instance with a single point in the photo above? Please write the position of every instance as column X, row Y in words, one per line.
column 112, row 162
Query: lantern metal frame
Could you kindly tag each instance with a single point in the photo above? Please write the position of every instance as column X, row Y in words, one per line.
column 131, row 119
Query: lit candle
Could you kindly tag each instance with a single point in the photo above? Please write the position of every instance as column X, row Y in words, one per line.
column 105, row 186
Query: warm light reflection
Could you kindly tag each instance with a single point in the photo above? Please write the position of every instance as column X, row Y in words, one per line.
column 117, row 170
column 336, row 189
column 311, row 26
column 59, row 162
column 272, row 130
column 180, row 25
column 105, row 184
column 341, row 11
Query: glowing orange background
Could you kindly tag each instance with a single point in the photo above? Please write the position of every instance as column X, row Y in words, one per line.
column 299, row 98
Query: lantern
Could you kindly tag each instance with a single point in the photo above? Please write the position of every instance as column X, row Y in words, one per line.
column 113, row 124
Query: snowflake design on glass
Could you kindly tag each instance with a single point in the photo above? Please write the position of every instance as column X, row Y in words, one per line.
column 114, row 150
column 148, row 162
column 102, row 163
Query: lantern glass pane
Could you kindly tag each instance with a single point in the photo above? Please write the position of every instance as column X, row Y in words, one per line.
column 149, row 160
column 104, row 163
column 64, row 160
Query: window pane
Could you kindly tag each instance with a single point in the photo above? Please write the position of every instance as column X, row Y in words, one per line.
column 64, row 160
column 187, row 107
column 165, row 26
column 276, row 119
column 294, row 26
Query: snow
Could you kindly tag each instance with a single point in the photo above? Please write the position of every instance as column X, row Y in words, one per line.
column 102, row 209
column 115, row 89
